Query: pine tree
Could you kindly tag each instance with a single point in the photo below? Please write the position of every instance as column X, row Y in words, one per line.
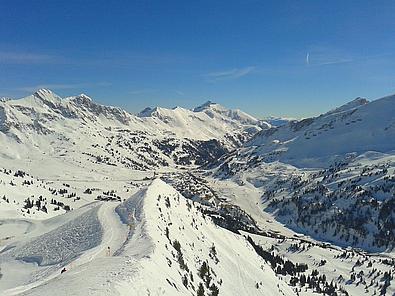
column 214, row 290
column 200, row 291
column 185, row 281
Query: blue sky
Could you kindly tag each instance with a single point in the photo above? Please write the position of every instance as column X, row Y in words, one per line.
column 283, row 58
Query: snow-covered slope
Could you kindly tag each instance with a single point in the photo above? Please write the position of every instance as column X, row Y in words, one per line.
column 78, row 129
column 170, row 248
column 331, row 176
column 356, row 127
column 209, row 120
column 358, row 102
column 79, row 189
column 190, row 252
column 324, row 267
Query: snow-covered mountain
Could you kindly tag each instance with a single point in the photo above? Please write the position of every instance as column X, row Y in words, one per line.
column 209, row 120
column 330, row 176
column 215, row 110
column 277, row 121
column 38, row 111
column 355, row 127
column 156, row 242
column 208, row 201
column 46, row 123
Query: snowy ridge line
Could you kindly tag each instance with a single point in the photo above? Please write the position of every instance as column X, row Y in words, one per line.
column 130, row 214
column 210, row 122
column 187, row 244
column 82, row 133
column 356, row 127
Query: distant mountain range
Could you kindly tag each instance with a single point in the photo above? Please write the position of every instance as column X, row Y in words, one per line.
column 44, row 122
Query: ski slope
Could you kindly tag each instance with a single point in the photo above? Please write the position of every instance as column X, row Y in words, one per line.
column 143, row 259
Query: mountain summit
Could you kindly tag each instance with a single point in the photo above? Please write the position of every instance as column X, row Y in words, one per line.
column 204, row 106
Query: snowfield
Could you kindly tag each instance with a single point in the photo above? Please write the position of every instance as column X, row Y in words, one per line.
column 64, row 243
column 169, row 248
column 208, row 201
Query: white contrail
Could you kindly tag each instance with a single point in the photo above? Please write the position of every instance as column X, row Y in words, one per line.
column 307, row 58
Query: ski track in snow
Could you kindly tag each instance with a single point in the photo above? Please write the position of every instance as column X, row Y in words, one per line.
column 113, row 234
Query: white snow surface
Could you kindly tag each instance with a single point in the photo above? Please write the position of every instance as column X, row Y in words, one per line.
column 143, row 259
column 43, row 126
column 210, row 120
column 356, row 127
column 44, row 106
column 79, row 153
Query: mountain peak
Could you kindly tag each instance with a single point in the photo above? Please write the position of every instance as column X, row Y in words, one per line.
column 147, row 112
column 84, row 96
column 204, row 106
column 82, row 99
column 356, row 103
column 359, row 101
column 43, row 91
column 47, row 96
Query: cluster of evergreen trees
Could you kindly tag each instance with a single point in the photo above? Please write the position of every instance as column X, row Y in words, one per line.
column 40, row 203
column 279, row 265
column 108, row 196
column 205, row 275
column 344, row 211
column 297, row 272
column 60, row 204
column 317, row 283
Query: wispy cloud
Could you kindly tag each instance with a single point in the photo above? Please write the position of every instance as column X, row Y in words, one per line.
column 141, row 91
column 317, row 56
column 8, row 57
column 180, row 93
column 338, row 61
column 63, row 86
column 329, row 61
column 321, row 56
column 108, row 59
column 229, row 74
